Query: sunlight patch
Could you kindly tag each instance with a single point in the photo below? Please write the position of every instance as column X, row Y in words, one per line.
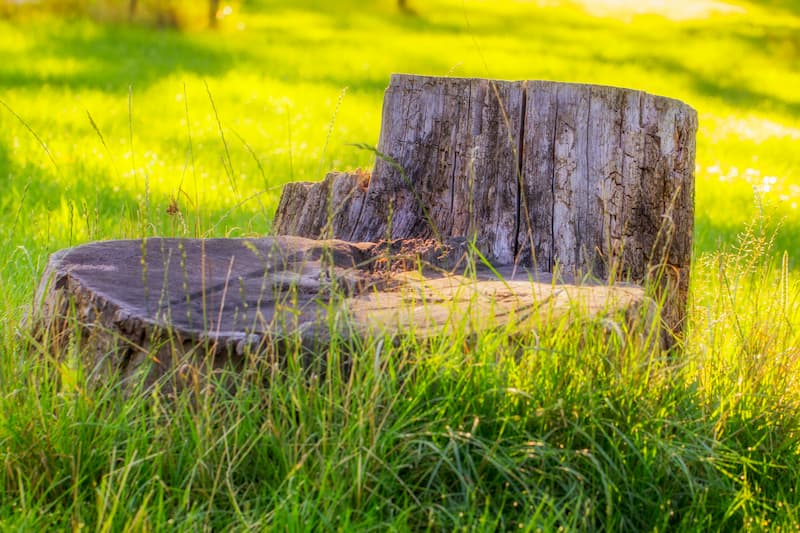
column 752, row 128
column 766, row 186
column 676, row 10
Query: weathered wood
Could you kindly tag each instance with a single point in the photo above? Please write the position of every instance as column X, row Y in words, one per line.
column 585, row 180
column 328, row 209
column 152, row 306
column 535, row 238
column 569, row 190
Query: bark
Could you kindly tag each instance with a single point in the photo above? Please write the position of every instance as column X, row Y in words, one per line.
column 328, row 209
column 586, row 180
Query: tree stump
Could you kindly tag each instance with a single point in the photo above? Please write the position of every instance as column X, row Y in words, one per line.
column 165, row 304
column 492, row 205
column 585, row 180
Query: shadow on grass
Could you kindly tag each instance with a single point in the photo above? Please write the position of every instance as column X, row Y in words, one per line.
column 787, row 6
column 556, row 33
column 727, row 90
column 110, row 58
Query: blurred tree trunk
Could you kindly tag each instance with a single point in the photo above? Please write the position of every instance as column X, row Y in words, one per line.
column 213, row 7
column 404, row 7
column 132, row 9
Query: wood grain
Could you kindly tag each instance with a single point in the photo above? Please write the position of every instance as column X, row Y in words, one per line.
column 151, row 306
column 586, row 180
column 576, row 194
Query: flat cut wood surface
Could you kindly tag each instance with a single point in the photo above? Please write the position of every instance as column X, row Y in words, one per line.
column 160, row 298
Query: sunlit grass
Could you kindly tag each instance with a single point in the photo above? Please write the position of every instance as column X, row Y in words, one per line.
column 549, row 434
column 278, row 73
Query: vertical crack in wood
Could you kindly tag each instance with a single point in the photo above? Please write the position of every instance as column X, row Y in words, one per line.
column 552, row 262
column 406, row 140
column 587, row 261
column 641, row 110
column 520, row 161
column 643, row 190
column 467, row 177
column 616, row 249
column 360, row 208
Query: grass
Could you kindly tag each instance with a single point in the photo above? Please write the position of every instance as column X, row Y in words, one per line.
column 154, row 132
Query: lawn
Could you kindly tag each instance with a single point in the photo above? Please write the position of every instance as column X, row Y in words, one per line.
column 110, row 130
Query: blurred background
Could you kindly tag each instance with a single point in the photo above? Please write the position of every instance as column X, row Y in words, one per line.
column 143, row 117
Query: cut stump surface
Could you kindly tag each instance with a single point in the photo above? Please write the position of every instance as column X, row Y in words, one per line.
column 135, row 300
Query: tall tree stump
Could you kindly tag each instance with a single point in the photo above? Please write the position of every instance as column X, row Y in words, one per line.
column 583, row 180
column 492, row 204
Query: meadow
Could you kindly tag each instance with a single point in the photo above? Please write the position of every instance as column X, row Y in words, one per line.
column 114, row 130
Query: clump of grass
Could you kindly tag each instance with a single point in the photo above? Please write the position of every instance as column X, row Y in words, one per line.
column 566, row 430
column 563, row 432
